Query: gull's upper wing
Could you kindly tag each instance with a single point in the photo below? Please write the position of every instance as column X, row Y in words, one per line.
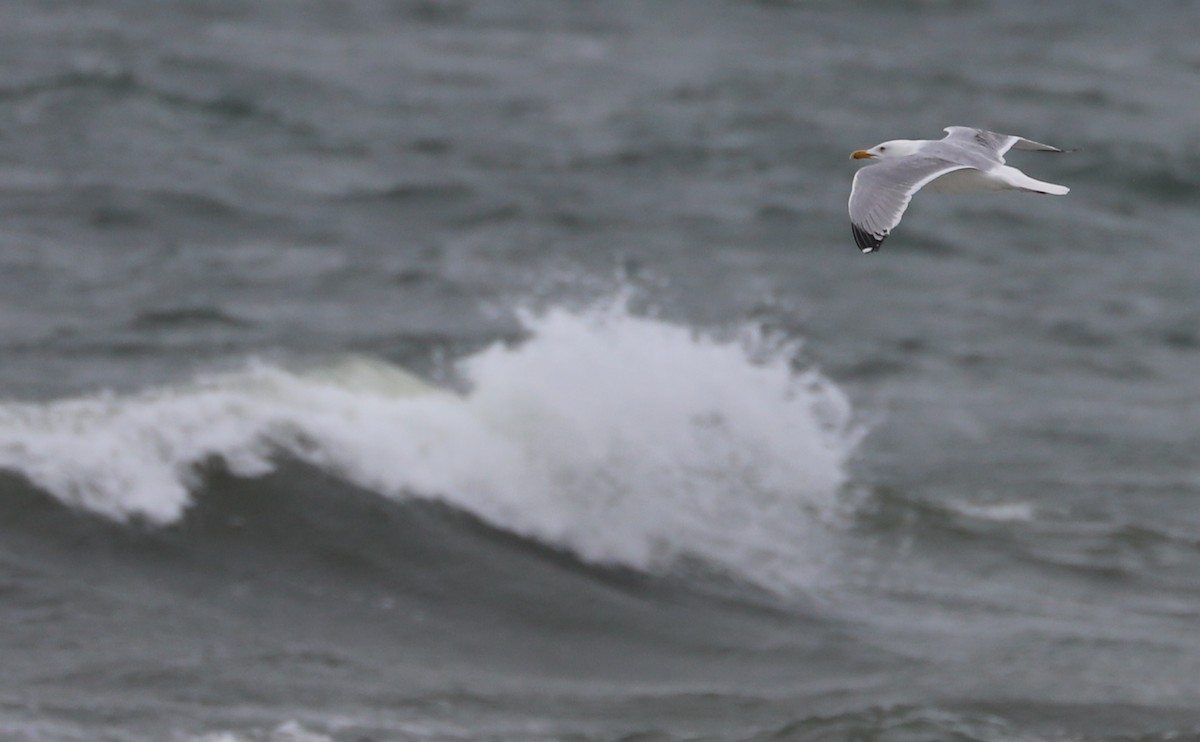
column 881, row 192
column 998, row 143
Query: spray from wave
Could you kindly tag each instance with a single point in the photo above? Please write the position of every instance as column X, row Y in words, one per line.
column 624, row 439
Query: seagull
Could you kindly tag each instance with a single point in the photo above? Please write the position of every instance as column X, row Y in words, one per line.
column 966, row 160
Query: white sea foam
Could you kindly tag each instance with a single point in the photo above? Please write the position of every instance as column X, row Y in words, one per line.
column 288, row 731
column 999, row 512
column 625, row 439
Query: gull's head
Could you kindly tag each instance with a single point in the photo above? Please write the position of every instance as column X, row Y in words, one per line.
column 892, row 148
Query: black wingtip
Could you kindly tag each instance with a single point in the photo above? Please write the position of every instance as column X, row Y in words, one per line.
column 866, row 241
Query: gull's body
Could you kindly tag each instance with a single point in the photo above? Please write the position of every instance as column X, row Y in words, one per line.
column 966, row 161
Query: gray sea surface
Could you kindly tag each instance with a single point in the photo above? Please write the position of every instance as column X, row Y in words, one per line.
column 505, row 370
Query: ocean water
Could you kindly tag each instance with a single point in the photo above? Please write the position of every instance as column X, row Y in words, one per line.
column 464, row 370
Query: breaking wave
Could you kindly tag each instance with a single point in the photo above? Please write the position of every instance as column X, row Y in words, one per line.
column 624, row 439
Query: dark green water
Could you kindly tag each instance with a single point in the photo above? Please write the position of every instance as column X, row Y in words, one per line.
column 456, row 370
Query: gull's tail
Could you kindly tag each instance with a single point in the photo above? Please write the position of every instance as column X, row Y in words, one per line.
column 1041, row 186
column 1014, row 178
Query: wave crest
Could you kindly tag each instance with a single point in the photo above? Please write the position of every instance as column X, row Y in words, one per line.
column 623, row 439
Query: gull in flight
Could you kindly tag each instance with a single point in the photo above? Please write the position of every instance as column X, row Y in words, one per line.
column 967, row 160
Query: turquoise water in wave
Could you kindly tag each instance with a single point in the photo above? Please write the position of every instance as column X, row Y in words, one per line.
column 457, row 370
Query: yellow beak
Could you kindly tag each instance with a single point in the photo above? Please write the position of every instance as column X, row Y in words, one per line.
column 860, row 154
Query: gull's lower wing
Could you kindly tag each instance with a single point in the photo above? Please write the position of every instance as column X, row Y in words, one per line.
column 880, row 194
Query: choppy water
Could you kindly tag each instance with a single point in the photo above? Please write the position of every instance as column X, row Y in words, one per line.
column 455, row 371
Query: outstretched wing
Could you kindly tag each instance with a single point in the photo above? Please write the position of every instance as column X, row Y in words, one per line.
column 998, row 143
column 881, row 192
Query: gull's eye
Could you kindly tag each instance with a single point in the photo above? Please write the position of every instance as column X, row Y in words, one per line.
column 883, row 149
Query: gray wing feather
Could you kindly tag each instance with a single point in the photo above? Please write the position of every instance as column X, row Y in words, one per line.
column 1031, row 146
column 994, row 142
column 880, row 194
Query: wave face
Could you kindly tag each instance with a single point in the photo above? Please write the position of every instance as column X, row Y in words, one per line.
column 623, row 439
